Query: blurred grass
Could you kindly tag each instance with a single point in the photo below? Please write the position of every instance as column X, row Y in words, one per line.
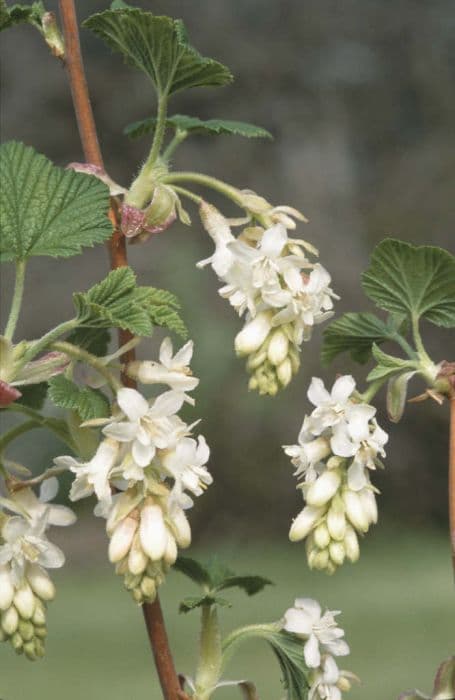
column 398, row 613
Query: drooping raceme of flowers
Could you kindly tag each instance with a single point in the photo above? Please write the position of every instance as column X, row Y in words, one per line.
column 338, row 445
column 269, row 277
column 25, row 554
column 322, row 639
column 148, row 454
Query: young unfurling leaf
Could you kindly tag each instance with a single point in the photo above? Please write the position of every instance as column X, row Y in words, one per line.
column 356, row 333
column 181, row 122
column 88, row 403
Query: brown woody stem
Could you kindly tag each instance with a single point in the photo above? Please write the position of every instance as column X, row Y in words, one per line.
column 452, row 477
column 117, row 250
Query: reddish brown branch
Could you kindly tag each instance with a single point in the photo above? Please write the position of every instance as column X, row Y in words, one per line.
column 117, row 249
column 452, row 478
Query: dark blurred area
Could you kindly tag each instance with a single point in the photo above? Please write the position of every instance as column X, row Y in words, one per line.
column 360, row 98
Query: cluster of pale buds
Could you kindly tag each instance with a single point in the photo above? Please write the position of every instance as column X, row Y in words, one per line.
column 269, row 277
column 145, row 533
column 25, row 553
column 149, row 455
column 338, row 444
column 323, row 640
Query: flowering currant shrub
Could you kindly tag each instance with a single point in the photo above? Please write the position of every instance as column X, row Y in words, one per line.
column 119, row 420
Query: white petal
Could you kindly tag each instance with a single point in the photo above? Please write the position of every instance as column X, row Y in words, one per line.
column 166, row 352
column 48, row 490
column 297, row 622
column 309, row 606
column 52, row 557
column 317, row 393
column 143, row 454
column 183, row 356
column 357, row 478
column 123, row 432
column 273, row 241
column 167, row 404
column 341, row 444
column 311, row 652
column 61, row 516
column 343, row 388
column 132, row 403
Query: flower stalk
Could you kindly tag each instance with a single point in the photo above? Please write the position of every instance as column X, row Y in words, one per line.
column 17, row 299
column 117, row 248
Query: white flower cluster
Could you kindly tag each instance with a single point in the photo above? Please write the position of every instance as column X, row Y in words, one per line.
column 339, row 443
column 148, row 455
column 268, row 277
column 323, row 640
column 25, row 553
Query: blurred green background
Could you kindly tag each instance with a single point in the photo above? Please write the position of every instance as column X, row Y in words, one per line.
column 359, row 96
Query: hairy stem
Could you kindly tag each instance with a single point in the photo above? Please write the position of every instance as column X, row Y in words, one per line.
column 210, row 656
column 17, row 299
column 117, row 248
column 49, row 339
column 16, row 432
column 188, row 194
column 28, row 483
column 180, row 136
column 40, row 421
column 207, row 181
column 452, row 477
column 160, row 129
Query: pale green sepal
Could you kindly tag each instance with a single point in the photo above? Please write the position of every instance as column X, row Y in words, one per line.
column 397, row 389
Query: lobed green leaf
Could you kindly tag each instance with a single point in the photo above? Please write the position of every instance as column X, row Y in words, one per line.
column 418, row 281
column 356, row 333
column 158, row 46
column 193, row 602
column 86, row 402
column 45, row 210
column 388, row 365
column 181, row 122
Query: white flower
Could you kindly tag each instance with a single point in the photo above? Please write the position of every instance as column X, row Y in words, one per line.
column 24, row 541
column 329, row 407
column 92, row 476
column 171, row 370
column 309, row 453
column 305, row 621
column 325, row 680
column 38, row 507
column 186, row 464
column 147, row 427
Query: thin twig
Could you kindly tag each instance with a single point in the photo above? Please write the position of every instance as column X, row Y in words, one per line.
column 117, row 248
column 452, row 478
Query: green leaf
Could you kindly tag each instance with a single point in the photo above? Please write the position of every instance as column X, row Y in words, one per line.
column 289, row 652
column 388, row 365
column 193, row 570
column 158, row 46
column 45, row 210
column 419, row 281
column 88, row 403
column 33, row 395
column 249, row 584
column 16, row 14
column 194, row 602
column 356, row 333
column 94, row 340
column 180, row 122
column 116, row 302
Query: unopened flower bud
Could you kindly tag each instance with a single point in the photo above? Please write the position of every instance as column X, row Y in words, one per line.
column 253, row 334
column 322, row 536
column 41, row 632
column 30, row 650
column 152, row 532
column 355, row 511
column 320, row 560
column 304, row 522
column 40, row 582
column 170, row 555
column 137, row 559
column 181, row 528
column 337, row 553
column 278, row 348
column 336, row 522
column 148, row 588
column 39, row 648
column 6, row 588
column 10, row 620
column 26, row 630
column 121, row 539
column 39, row 616
column 16, row 641
column 369, row 505
column 24, row 601
column 324, row 488
column 344, row 684
column 351, row 544
column 284, row 372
